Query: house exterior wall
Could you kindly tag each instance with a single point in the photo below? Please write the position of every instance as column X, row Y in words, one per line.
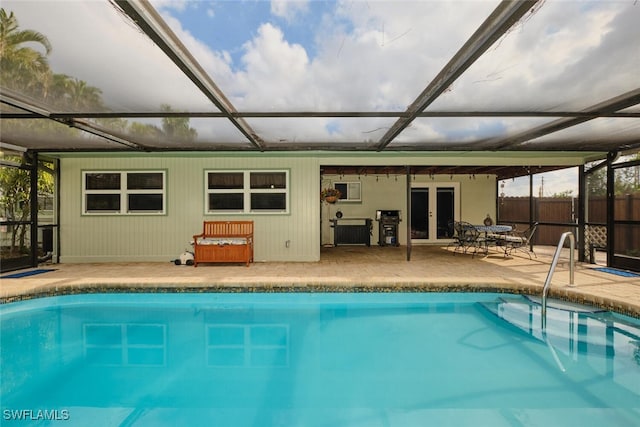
column 110, row 238
column 295, row 236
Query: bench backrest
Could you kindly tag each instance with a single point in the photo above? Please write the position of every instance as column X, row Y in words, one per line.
column 228, row 228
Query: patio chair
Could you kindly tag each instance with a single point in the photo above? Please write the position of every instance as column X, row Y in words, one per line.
column 519, row 241
column 467, row 236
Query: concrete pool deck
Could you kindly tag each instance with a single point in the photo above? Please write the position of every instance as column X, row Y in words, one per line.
column 345, row 269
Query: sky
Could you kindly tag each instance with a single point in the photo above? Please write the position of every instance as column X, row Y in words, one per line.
column 546, row 184
column 372, row 55
column 378, row 55
column 369, row 55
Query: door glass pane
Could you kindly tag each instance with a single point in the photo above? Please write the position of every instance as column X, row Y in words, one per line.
column 445, row 212
column 420, row 213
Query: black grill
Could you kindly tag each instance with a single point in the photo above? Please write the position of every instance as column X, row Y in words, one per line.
column 388, row 221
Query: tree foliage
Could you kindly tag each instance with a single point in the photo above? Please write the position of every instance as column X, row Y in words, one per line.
column 626, row 180
column 22, row 66
column 25, row 69
column 15, row 201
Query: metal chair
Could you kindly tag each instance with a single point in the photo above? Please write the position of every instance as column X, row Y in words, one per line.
column 467, row 236
column 519, row 241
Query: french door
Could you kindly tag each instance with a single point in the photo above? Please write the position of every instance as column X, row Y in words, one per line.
column 434, row 206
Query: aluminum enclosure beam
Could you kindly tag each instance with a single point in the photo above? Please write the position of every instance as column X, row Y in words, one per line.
column 321, row 114
column 151, row 23
column 498, row 23
column 620, row 102
column 39, row 111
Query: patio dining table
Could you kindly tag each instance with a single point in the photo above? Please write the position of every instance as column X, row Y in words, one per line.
column 492, row 229
column 498, row 229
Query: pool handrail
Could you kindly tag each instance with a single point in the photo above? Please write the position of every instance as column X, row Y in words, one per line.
column 556, row 256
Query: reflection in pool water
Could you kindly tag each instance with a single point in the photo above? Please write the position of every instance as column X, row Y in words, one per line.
column 359, row 359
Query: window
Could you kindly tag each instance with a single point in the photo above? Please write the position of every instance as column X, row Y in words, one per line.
column 139, row 192
column 349, row 191
column 246, row 191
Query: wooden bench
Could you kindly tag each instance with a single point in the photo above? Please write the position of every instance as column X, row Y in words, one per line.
column 224, row 241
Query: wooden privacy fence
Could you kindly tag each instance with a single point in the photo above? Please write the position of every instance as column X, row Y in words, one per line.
column 565, row 210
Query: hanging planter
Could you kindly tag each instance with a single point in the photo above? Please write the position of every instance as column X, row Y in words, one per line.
column 331, row 199
column 330, row 195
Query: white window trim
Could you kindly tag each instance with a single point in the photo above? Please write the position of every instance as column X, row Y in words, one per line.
column 124, row 193
column 246, row 192
column 349, row 198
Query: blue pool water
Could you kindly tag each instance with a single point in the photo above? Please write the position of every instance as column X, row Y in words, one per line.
column 343, row 359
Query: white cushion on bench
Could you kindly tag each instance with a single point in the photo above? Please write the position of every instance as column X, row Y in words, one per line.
column 220, row 241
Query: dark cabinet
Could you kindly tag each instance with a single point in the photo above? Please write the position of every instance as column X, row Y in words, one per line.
column 351, row 231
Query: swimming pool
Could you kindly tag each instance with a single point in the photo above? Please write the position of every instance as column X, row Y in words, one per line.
column 316, row 359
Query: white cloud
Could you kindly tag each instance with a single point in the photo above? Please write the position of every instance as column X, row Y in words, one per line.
column 566, row 52
column 178, row 5
column 275, row 72
column 289, row 10
column 217, row 63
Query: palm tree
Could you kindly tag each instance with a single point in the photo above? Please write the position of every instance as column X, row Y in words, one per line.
column 82, row 96
column 23, row 67
column 177, row 127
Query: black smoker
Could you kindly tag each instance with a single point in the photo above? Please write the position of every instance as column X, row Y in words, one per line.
column 388, row 222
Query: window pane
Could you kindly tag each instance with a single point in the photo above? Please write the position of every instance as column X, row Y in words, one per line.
column 225, row 180
column 144, row 181
column 268, row 180
column 103, row 202
column 145, row 202
column 342, row 188
column 102, row 181
column 353, row 191
column 224, row 201
column 268, row 201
